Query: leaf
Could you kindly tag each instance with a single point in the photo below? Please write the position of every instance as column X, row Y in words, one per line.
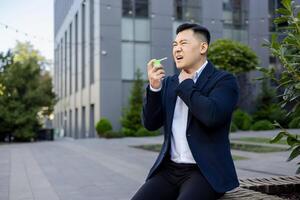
column 262, row 69
column 277, row 137
column 280, row 20
column 292, row 141
column 286, row 4
column 297, row 86
column 298, row 170
column 283, row 11
column 294, row 154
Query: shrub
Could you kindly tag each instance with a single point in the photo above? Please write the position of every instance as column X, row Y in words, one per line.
column 242, row 120
column 295, row 123
column 267, row 106
column 271, row 112
column 232, row 56
column 262, row 125
column 103, row 126
column 144, row 132
column 112, row 134
column 128, row 132
column 233, row 127
column 24, row 135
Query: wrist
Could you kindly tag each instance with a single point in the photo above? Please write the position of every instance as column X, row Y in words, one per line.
column 153, row 89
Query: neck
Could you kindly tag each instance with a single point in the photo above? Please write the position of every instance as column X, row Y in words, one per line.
column 194, row 68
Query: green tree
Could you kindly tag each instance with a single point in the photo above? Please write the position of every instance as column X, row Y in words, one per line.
column 238, row 59
column 232, row 56
column 28, row 91
column 287, row 50
column 131, row 121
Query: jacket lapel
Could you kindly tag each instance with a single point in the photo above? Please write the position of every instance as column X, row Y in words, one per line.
column 171, row 100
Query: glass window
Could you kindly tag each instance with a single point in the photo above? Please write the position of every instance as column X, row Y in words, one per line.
column 235, row 20
column 141, row 8
column 142, row 56
column 127, row 28
column 187, row 10
column 127, row 61
column 70, row 59
column 235, row 13
column 92, row 74
column 138, row 8
column 127, row 8
column 142, row 30
column 135, row 37
column 76, row 52
column 83, row 46
column 134, row 55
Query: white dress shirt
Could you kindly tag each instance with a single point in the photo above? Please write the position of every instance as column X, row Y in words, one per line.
column 180, row 151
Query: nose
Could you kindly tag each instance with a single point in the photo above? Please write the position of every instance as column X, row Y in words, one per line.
column 177, row 48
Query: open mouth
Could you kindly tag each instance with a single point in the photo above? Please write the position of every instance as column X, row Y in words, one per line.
column 179, row 57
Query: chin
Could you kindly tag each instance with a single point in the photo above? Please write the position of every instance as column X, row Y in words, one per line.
column 180, row 66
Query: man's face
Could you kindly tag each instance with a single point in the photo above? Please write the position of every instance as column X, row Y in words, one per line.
column 188, row 50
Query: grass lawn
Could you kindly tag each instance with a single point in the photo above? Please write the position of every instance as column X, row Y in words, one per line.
column 255, row 148
column 149, row 147
column 259, row 140
column 157, row 147
column 236, row 158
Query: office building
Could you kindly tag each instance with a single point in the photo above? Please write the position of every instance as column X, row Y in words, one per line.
column 99, row 44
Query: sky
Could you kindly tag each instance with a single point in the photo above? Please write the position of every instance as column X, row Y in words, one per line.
column 34, row 17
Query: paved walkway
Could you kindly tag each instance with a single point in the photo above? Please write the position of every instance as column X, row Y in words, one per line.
column 91, row 169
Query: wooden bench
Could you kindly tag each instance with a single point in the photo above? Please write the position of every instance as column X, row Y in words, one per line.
column 264, row 188
column 246, row 194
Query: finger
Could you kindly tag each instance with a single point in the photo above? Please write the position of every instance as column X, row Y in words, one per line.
column 150, row 64
column 158, row 66
column 159, row 71
column 159, row 75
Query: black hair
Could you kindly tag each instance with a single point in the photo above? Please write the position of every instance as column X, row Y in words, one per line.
column 196, row 28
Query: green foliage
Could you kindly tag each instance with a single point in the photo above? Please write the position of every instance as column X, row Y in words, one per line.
column 144, row 132
column 103, row 126
column 131, row 120
column 27, row 93
column 287, row 50
column 232, row 56
column 233, row 127
column 271, row 112
column 242, row 119
column 267, row 107
column 262, row 125
column 295, row 123
column 25, row 51
column 112, row 134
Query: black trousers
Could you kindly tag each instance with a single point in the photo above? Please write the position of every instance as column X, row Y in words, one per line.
column 177, row 181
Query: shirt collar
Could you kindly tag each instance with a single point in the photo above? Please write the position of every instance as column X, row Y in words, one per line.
column 198, row 72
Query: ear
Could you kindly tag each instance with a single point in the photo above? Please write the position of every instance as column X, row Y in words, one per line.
column 203, row 48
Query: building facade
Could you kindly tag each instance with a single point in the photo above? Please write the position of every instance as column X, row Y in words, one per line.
column 99, row 44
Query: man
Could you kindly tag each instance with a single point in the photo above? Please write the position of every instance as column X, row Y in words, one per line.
column 195, row 109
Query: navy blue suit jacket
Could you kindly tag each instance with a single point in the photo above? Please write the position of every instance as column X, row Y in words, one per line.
column 211, row 101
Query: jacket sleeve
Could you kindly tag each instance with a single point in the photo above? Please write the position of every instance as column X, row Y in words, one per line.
column 152, row 110
column 212, row 109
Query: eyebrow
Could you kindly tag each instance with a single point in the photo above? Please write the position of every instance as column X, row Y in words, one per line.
column 183, row 40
